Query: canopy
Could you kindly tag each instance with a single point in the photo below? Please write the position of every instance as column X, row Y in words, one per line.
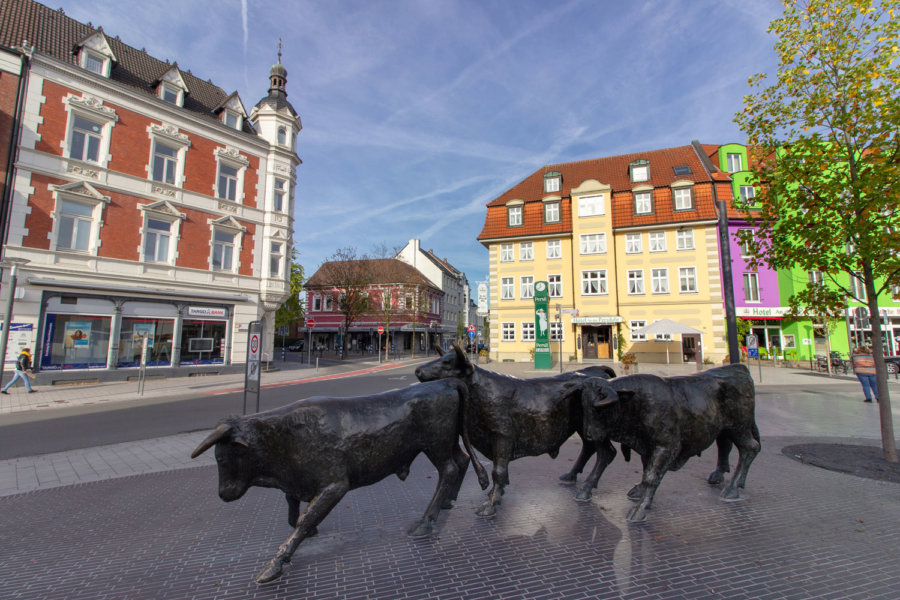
column 666, row 326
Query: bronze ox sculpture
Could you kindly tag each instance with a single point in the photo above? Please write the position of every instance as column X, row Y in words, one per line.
column 509, row 418
column 669, row 420
column 318, row 449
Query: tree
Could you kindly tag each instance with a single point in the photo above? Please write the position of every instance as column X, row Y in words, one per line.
column 825, row 138
column 291, row 312
column 350, row 275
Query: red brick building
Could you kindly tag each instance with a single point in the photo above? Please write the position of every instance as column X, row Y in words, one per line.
column 148, row 202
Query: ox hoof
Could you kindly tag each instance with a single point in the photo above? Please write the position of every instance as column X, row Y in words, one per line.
column 715, row 478
column 270, row 572
column 636, row 515
column 446, row 504
column 636, row 493
column 730, row 494
column 487, row 511
column 568, row 479
column 583, row 495
column 420, row 529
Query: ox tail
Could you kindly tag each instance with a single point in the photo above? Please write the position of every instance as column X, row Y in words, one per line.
column 483, row 480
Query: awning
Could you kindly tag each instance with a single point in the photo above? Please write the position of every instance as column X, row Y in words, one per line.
column 667, row 327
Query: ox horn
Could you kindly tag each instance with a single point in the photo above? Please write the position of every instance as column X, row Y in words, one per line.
column 459, row 352
column 218, row 433
column 438, row 349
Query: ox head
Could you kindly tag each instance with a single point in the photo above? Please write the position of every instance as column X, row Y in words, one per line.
column 233, row 457
column 451, row 364
column 599, row 399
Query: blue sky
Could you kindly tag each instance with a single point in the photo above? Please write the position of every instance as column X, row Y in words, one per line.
column 417, row 113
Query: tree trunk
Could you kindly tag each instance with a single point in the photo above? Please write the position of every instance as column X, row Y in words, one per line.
column 884, row 400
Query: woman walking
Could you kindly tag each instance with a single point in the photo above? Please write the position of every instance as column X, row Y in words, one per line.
column 864, row 367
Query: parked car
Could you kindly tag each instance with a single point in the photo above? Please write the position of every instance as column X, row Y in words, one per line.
column 295, row 347
column 893, row 364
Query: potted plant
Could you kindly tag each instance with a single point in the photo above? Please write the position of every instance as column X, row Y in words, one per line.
column 629, row 363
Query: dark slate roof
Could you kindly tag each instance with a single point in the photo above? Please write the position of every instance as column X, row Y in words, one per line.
column 53, row 33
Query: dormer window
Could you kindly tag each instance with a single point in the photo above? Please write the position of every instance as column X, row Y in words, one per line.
column 171, row 87
column 169, row 94
column 552, row 182
column 94, row 54
column 231, row 119
column 94, row 63
column 639, row 170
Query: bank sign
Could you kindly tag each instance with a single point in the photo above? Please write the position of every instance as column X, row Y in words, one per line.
column 542, row 356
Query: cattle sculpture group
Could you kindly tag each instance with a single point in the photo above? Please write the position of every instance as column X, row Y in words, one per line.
column 318, row 449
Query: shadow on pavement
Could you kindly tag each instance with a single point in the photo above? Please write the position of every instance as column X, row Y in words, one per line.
column 862, row 461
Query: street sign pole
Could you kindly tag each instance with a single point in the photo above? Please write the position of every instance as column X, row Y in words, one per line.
column 254, row 352
column 309, row 326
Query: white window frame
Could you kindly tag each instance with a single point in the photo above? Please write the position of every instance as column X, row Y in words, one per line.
column 86, row 197
column 554, row 249
column 552, row 212
column 164, row 212
column 552, row 184
column 656, row 241
column 593, row 205
column 230, row 226
column 857, row 287
column 508, row 331
column 751, row 288
column 92, row 110
column 554, row 285
column 635, row 279
column 643, row 202
column 526, row 287
column 317, row 303
column 515, row 215
column 526, row 251
column 640, row 173
column 280, row 194
column 734, row 161
column 170, row 137
column 684, row 239
column 747, row 194
column 507, row 288
column 166, row 89
column 683, row 198
column 592, row 243
column 276, row 258
column 594, row 282
column 328, row 302
column 148, row 233
column 527, row 331
column 637, row 337
column 557, row 332
column 659, row 280
column 232, row 119
column 815, row 277
column 507, row 252
column 687, row 280
column 100, row 61
column 745, row 245
column 230, row 157
column 633, row 243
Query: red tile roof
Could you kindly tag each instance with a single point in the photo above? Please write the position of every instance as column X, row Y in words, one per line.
column 379, row 271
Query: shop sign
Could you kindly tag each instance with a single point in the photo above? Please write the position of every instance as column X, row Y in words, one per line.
column 596, row 320
column 206, row 311
column 542, row 356
column 761, row 311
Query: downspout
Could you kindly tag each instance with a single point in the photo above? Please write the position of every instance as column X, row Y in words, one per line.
column 12, row 156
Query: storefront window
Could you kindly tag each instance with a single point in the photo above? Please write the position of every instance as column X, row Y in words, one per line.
column 75, row 342
column 202, row 342
column 159, row 342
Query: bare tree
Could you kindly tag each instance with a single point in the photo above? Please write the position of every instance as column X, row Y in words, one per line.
column 350, row 277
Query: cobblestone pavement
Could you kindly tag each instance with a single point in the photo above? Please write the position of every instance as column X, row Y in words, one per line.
column 140, row 520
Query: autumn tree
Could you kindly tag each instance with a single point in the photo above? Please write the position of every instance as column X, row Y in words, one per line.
column 291, row 312
column 350, row 277
column 825, row 137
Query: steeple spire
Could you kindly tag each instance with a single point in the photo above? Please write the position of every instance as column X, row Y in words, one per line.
column 278, row 75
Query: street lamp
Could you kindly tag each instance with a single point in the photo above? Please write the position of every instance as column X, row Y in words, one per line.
column 13, row 264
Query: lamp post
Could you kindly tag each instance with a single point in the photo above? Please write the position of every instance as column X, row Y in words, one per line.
column 13, row 264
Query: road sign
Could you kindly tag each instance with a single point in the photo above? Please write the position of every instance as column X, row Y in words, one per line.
column 471, row 334
column 753, row 352
column 752, row 341
column 380, row 330
column 254, row 353
column 471, row 326
column 310, row 323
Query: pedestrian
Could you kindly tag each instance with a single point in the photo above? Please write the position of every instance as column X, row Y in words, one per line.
column 864, row 367
column 23, row 365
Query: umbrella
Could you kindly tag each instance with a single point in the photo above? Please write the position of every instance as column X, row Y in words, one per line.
column 666, row 326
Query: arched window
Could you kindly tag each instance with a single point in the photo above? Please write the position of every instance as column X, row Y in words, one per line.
column 282, row 136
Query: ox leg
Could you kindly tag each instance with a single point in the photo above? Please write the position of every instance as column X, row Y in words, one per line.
column 462, row 464
column 605, row 455
column 724, row 444
column 637, row 492
column 587, row 450
column 500, row 476
column 748, row 448
column 294, row 513
column 448, row 475
column 658, row 464
column 309, row 519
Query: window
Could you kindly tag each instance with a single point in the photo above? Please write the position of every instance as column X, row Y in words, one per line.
column 276, row 255
column 683, row 200
column 640, row 170
column 223, row 250
column 508, row 332
column 684, row 239
column 643, row 204
column 317, row 303
column 526, row 251
column 554, row 249
column 385, row 300
column 634, row 326
column 551, row 212
column 751, row 287
column 506, row 288
column 734, row 163
column 552, row 182
column 687, row 280
column 278, row 203
column 514, row 216
column 506, row 252
column 170, row 94
column 231, row 119
column 328, row 300
column 165, row 162
column 556, row 331
column 788, row 342
column 527, row 331
column 228, row 182
column 75, row 223
column 282, row 136
column 748, row 192
column 659, row 281
column 633, row 243
column 593, row 243
column 85, row 140
column 745, row 235
column 593, row 282
column 94, row 63
column 554, row 285
column 157, row 238
column 815, row 277
column 857, row 287
column 656, row 240
column 526, row 287
column 590, row 206
column 636, row 281
column 682, row 170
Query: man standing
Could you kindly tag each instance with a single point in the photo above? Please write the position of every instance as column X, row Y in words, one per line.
column 23, row 365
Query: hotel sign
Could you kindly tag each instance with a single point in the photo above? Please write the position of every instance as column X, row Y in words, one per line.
column 596, row 320
column 761, row 311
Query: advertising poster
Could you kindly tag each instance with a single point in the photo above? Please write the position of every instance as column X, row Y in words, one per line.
column 542, row 357
column 78, row 334
column 20, row 336
column 144, row 329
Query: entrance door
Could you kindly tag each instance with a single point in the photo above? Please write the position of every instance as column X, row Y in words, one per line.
column 690, row 348
column 589, row 336
column 603, row 349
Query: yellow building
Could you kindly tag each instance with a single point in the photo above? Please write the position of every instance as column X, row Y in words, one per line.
column 622, row 242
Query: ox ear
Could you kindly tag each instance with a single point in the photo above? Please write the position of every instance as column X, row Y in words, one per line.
column 219, row 433
column 598, row 393
column 240, row 440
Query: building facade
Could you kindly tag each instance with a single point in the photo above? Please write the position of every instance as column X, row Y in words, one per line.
column 621, row 242
column 147, row 201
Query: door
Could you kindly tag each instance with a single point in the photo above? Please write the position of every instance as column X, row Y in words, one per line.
column 589, row 335
column 690, row 348
column 603, row 339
